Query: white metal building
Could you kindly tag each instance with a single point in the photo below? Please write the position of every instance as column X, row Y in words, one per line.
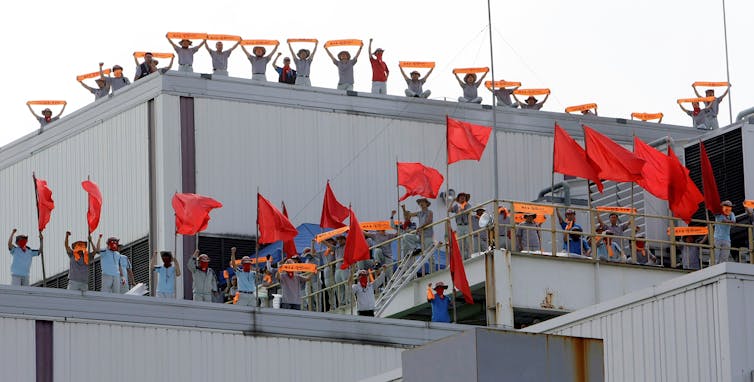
column 697, row 327
column 228, row 137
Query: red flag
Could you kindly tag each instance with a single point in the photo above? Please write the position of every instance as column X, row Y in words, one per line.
column 683, row 195
column 612, row 160
column 419, row 179
column 356, row 248
column 570, row 159
column 457, row 270
column 333, row 213
column 465, row 140
column 289, row 246
column 711, row 195
column 95, row 204
column 655, row 175
column 45, row 204
column 273, row 225
column 192, row 212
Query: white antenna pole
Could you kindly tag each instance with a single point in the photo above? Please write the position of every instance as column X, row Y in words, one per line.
column 727, row 66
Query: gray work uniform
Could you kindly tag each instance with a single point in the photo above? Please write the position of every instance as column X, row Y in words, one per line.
column 345, row 74
column 204, row 283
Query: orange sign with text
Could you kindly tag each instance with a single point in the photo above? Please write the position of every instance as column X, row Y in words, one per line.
column 292, row 40
column 346, row 42
column 700, row 99
column 709, row 84
column 154, row 54
column 301, row 267
column 533, row 208
column 367, row 226
column 588, row 106
column 260, row 42
column 223, row 37
column 416, row 64
column 471, row 70
column 647, row 116
column 501, row 84
column 623, row 210
column 689, row 231
column 187, row 36
column 531, row 92
column 92, row 75
column 749, row 203
column 46, row 102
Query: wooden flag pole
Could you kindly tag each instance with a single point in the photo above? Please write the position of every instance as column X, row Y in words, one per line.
column 41, row 238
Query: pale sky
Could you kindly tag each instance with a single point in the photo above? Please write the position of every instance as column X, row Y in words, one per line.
column 625, row 56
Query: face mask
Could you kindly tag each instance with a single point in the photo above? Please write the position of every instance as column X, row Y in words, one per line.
column 363, row 281
column 247, row 267
column 22, row 243
column 203, row 266
column 166, row 262
column 113, row 246
column 378, row 55
column 290, row 274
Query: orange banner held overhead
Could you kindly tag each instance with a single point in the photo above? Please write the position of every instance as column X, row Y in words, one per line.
column 187, row 36
column 154, row 54
column 501, row 84
column 223, row 37
column 689, row 231
column 623, row 210
column 531, row 92
column 45, row 102
column 260, row 42
column 92, row 75
column 587, row 106
column 709, row 84
column 700, row 99
column 366, row 226
column 533, row 208
column 416, row 64
column 749, row 203
column 471, row 70
column 292, row 40
column 300, row 267
column 519, row 218
column 647, row 116
column 347, row 42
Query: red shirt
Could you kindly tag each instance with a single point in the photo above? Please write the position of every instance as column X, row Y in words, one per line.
column 379, row 70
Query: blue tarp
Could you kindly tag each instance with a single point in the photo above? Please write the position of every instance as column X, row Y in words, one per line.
column 306, row 233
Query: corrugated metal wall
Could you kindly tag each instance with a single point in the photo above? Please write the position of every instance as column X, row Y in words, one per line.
column 114, row 154
column 18, row 350
column 673, row 337
column 119, row 353
column 290, row 153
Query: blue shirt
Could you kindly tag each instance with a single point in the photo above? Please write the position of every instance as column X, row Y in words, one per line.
column 247, row 281
column 125, row 265
column 21, row 264
column 575, row 246
column 722, row 231
column 109, row 261
column 165, row 279
column 440, row 309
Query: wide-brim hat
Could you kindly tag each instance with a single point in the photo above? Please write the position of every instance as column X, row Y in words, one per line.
column 246, row 260
column 362, row 272
column 726, row 203
column 379, row 50
column 185, row 39
column 203, row 257
column 264, row 50
column 425, row 200
column 480, row 209
column 440, row 284
column 527, row 214
column 467, row 195
column 46, row 109
column 113, row 238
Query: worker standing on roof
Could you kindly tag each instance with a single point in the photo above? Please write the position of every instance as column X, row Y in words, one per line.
column 470, row 86
column 80, row 260
column 110, row 264
column 460, row 206
column 303, row 61
column 345, row 65
column 117, row 81
column 247, row 281
column 380, row 72
column 167, row 274
column 20, row 267
column 722, row 232
column 714, row 106
column 204, row 279
column 259, row 61
column 143, row 69
column 127, row 280
column 439, row 302
column 185, row 54
column 46, row 116
column 364, row 291
column 220, row 58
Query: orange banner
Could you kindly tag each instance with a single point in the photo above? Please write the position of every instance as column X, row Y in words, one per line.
column 471, row 70
column 300, row 267
column 519, row 218
column 367, row 226
column 689, row 231
column 416, row 64
column 260, row 42
column 709, row 84
column 531, row 92
column 92, row 75
column 502, row 84
column 154, row 54
column 587, row 106
column 44, row 102
column 647, row 116
column 347, row 42
column 700, row 99
column 749, row 203
column 533, row 208
column 187, row 36
column 623, row 210
column 223, row 37
column 292, row 40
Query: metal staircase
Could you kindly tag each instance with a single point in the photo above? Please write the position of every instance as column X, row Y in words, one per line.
column 406, row 271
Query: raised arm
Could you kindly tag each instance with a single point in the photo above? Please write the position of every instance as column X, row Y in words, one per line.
column 311, row 56
column 68, row 249
column 235, row 46
column 177, row 266
column 61, row 111
column 233, row 257
column 545, row 100
column 87, row 87
column 206, row 46
column 518, row 101
column 170, row 65
column 405, row 77
column 10, row 239
column 101, row 73
column 334, row 61
column 683, row 108
column 696, row 91
column 481, row 79
column 406, row 213
column 358, row 52
column 290, row 47
column 371, row 53
column 32, row 111
column 153, row 260
column 275, row 61
column 175, row 46
column 95, row 249
column 243, row 47
column 724, row 94
column 204, row 42
column 275, row 49
column 428, row 73
column 458, row 79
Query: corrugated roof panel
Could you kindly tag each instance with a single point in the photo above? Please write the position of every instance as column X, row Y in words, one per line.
column 18, row 361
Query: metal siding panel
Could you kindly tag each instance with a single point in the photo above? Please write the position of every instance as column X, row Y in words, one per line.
column 17, row 350
column 113, row 153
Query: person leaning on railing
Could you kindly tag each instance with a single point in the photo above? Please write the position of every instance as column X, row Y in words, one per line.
column 527, row 234
column 410, row 242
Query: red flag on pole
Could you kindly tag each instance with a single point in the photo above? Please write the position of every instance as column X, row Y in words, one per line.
column 570, row 159
column 333, row 213
column 192, row 212
column 95, row 204
column 613, row 161
column 457, row 270
column 356, row 248
column 45, row 204
column 419, row 179
column 709, row 185
column 465, row 140
column 684, row 196
column 289, row 246
column 273, row 225
column 655, row 175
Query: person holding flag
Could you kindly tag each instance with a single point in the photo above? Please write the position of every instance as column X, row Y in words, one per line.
column 167, row 273
column 364, row 291
column 247, row 281
column 80, row 261
column 205, row 281
column 20, row 267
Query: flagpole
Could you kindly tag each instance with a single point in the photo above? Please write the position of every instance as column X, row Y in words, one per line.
column 41, row 239
column 727, row 66
column 706, row 209
column 496, row 188
column 447, row 196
